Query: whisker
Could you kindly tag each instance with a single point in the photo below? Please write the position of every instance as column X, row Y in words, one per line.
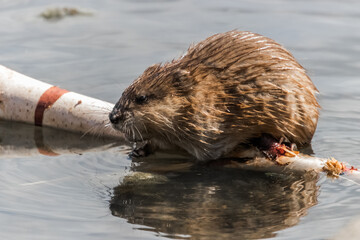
column 133, row 132
column 103, row 108
column 144, row 127
column 142, row 139
column 97, row 112
column 88, row 131
column 164, row 129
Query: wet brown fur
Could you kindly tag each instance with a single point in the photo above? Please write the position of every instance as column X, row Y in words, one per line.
column 225, row 91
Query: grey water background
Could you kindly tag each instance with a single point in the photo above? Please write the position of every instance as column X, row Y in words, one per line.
column 90, row 195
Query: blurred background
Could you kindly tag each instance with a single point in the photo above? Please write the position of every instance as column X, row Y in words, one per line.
column 97, row 48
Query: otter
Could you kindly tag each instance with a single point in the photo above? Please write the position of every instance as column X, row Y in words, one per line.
column 229, row 90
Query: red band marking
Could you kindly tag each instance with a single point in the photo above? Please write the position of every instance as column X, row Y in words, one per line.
column 47, row 99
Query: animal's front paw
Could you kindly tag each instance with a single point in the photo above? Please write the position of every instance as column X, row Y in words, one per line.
column 141, row 150
column 273, row 149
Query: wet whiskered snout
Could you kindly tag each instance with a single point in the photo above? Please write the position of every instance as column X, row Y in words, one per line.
column 116, row 117
column 124, row 121
column 121, row 120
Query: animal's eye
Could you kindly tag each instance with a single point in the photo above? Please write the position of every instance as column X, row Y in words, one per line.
column 141, row 99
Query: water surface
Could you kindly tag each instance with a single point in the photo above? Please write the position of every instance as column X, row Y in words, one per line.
column 72, row 189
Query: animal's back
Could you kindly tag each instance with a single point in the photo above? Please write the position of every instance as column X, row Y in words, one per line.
column 248, row 85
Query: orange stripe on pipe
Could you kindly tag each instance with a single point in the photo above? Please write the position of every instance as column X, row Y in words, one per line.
column 47, row 99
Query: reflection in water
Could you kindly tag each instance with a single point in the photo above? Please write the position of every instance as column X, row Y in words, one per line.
column 23, row 140
column 214, row 203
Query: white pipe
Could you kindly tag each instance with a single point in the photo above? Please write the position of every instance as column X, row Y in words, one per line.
column 25, row 99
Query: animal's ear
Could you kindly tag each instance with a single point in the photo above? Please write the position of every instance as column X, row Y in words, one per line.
column 181, row 79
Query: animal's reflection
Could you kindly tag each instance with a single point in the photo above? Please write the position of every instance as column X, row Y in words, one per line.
column 201, row 202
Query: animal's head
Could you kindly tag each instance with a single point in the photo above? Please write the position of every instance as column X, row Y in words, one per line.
column 149, row 106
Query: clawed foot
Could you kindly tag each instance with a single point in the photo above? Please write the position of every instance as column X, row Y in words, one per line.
column 142, row 149
column 273, row 149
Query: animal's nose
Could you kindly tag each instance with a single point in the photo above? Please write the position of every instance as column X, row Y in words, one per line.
column 114, row 118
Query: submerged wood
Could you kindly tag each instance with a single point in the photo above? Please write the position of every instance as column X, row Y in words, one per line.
column 55, row 14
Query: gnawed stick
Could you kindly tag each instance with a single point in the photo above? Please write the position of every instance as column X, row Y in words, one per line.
column 280, row 158
column 294, row 160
